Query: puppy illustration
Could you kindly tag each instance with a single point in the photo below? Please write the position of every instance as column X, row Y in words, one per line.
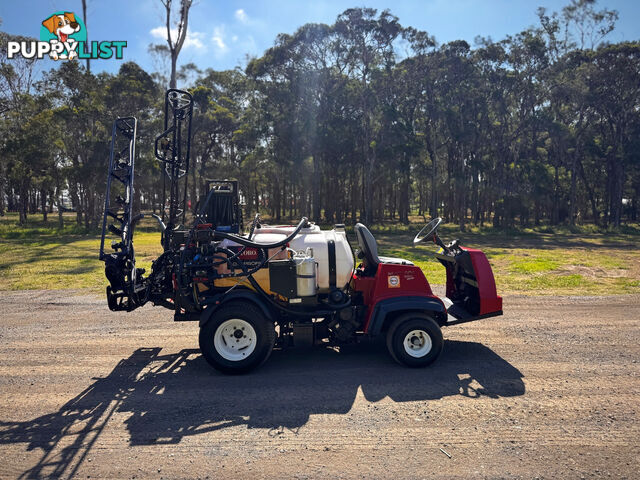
column 62, row 26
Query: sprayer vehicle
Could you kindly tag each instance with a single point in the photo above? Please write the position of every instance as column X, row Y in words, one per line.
column 275, row 286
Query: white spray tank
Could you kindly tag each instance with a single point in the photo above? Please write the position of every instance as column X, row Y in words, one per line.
column 331, row 251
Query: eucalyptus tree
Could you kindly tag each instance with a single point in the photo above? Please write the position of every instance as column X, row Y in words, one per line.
column 616, row 103
column 31, row 153
column 176, row 23
column 577, row 29
column 16, row 84
column 424, row 72
column 368, row 45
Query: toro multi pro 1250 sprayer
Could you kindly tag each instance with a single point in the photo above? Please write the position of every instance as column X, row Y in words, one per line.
column 275, row 286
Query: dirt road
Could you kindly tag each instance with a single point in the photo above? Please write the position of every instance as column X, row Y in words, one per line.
column 550, row 390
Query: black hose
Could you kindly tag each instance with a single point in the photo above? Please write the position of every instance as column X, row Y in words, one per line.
column 313, row 314
column 249, row 243
column 339, row 306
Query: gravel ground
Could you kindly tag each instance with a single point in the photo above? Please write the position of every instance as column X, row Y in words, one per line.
column 549, row 390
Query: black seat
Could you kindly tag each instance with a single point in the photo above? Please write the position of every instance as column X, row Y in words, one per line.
column 369, row 251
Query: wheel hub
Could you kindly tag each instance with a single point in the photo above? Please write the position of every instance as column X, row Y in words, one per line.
column 417, row 343
column 235, row 339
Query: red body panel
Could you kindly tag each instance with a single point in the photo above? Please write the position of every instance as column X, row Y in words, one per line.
column 490, row 301
column 391, row 281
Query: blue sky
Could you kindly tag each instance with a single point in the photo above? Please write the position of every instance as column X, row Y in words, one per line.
column 223, row 33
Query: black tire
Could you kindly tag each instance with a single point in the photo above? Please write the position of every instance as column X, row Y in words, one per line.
column 402, row 327
column 236, row 313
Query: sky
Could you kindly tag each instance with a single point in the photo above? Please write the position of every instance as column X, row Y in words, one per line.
column 222, row 34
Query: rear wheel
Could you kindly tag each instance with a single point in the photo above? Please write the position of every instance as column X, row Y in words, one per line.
column 237, row 339
column 414, row 340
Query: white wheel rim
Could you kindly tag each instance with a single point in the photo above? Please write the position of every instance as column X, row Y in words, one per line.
column 235, row 339
column 417, row 343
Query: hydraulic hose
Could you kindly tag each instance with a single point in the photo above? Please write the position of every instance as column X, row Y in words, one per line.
column 263, row 294
column 248, row 243
column 140, row 216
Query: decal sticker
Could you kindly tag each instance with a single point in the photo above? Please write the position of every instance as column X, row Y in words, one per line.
column 248, row 254
column 394, row 281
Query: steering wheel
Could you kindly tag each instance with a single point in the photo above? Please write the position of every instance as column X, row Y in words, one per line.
column 431, row 229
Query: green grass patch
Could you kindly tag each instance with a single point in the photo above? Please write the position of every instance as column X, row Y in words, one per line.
column 548, row 282
column 554, row 261
column 534, row 265
column 40, row 255
column 588, row 262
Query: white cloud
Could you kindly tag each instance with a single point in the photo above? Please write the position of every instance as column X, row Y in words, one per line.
column 194, row 39
column 242, row 16
column 218, row 39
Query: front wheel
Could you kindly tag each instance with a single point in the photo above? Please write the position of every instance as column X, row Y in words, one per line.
column 237, row 339
column 414, row 340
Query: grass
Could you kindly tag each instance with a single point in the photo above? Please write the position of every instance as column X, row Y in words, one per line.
column 543, row 261
column 40, row 255
column 539, row 263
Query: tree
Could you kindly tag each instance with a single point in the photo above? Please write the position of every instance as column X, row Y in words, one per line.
column 344, row 122
column 179, row 32
column 368, row 43
column 16, row 81
column 616, row 103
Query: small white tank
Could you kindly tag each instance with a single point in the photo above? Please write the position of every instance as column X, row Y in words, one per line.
column 306, row 277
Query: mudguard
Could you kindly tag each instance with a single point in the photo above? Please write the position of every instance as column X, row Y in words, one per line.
column 410, row 304
column 236, row 295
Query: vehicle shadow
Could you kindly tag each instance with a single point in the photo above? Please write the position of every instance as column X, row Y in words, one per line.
column 168, row 397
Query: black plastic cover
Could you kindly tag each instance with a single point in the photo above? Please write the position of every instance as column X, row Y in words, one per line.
column 282, row 278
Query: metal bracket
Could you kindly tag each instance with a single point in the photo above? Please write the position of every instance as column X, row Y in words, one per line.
column 172, row 148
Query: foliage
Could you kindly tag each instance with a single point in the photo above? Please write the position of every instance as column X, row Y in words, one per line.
column 364, row 119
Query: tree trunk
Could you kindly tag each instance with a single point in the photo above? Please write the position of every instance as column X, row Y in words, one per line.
column 431, row 150
column 315, row 187
column 572, row 193
column 354, row 196
column 176, row 46
column 256, row 197
column 404, row 194
column 616, row 193
column 84, row 18
column 174, row 60
column 555, row 213
column 574, row 163
column 368, row 193
column 43, row 202
column 58, row 197
column 24, row 205
column 2, row 189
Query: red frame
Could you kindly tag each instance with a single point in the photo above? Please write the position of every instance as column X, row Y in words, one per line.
column 382, row 286
column 490, row 301
column 410, row 281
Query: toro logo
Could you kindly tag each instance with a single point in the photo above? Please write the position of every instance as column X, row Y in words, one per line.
column 249, row 254
column 63, row 36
